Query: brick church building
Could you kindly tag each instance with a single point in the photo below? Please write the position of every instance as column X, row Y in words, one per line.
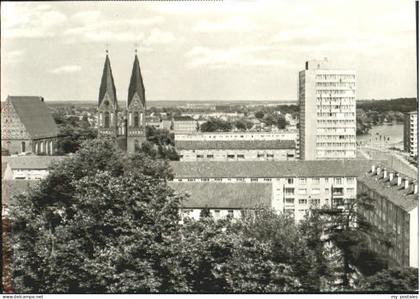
column 126, row 124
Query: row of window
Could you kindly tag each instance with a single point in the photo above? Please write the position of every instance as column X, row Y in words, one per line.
column 335, row 114
column 330, row 92
column 336, row 84
column 338, row 191
column 290, row 181
column 339, row 77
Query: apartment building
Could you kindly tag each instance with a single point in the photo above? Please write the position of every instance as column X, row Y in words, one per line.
column 410, row 133
column 296, row 186
column 395, row 212
column 203, row 136
column 327, row 119
column 236, row 150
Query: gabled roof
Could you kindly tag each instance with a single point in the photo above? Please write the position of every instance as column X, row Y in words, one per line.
column 235, row 144
column 107, row 84
column 224, row 195
column 399, row 196
column 268, row 169
column 136, row 84
column 31, row 162
column 34, row 115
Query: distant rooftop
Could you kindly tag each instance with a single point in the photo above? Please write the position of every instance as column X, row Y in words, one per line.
column 224, row 195
column 234, row 144
column 268, row 169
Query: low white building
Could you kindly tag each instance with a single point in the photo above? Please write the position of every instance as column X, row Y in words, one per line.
column 395, row 212
column 28, row 167
column 236, row 150
column 296, row 186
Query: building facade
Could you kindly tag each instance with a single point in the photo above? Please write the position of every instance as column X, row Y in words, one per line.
column 410, row 133
column 27, row 126
column 236, row 150
column 395, row 213
column 296, row 186
column 28, row 167
column 127, row 125
column 203, row 136
column 327, row 118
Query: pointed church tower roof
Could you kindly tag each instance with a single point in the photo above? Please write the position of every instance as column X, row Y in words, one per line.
column 107, row 83
column 136, row 84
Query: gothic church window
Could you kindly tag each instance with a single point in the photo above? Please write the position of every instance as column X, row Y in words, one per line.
column 106, row 120
column 136, row 119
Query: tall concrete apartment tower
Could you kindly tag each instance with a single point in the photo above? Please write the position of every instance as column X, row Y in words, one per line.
column 136, row 109
column 410, row 133
column 327, row 118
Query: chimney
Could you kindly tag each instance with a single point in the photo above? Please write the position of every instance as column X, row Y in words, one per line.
column 406, row 183
column 391, row 176
column 378, row 171
column 399, row 181
column 373, row 168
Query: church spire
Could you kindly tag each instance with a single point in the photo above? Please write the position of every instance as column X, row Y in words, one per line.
column 107, row 83
column 136, row 83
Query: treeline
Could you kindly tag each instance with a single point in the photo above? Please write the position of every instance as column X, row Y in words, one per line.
column 104, row 222
column 396, row 105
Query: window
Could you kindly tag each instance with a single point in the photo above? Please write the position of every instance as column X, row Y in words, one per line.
column 254, row 180
column 241, row 156
column 338, row 191
column 230, row 213
column 290, row 181
column 303, row 201
column 267, row 179
column 260, row 155
column 302, row 181
column 217, row 213
column 210, row 156
column 315, row 180
column 240, row 179
column 338, row 181
column 350, row 190
column 270, row 155
column 136, row 119
column 289, row 200
column 231, row 156
column 217, row 179
column 315, row 201
column 205, row 179
column 289, row 191
column 106, row 120
column 191, row 180
column 200, row 156
column 327, row 190
column 349, row 180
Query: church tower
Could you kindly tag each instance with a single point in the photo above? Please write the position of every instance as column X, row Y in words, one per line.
column 107, row 103
column 136, row 109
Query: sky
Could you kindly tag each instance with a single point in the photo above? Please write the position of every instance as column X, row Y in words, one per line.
column 205, row 50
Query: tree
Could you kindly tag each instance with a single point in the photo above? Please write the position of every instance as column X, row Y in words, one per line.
column 277, row 120
column 259, row 114
column 349, row 230
column 101, row 222
column 216, row 125
column 393, row 280
column 160, row 144
column 243, row 124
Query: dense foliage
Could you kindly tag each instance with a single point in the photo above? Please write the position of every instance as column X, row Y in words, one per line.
column 72, row 131
column 105, row 222
column 160, row 144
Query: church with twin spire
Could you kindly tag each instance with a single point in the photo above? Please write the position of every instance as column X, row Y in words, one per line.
column 128, row 124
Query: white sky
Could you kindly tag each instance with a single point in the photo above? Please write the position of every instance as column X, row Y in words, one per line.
column 230, row 50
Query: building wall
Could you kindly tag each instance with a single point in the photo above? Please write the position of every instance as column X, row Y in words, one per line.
column 296, row 196
column 414, row 237
column 29, row 174
column 327, row 100
column 410, row 133
column 216, row 213
column 201, row 136
column 237, row 155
